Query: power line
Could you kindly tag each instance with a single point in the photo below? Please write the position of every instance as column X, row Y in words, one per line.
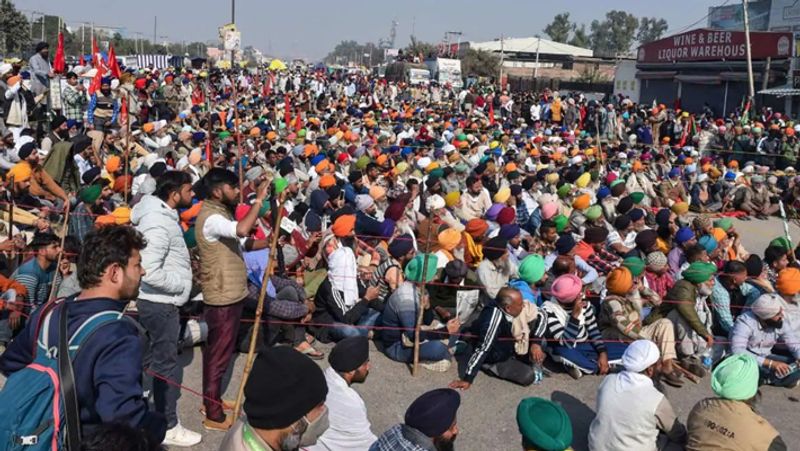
column 687, row 27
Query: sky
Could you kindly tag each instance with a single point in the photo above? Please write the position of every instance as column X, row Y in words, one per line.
column 311, row 28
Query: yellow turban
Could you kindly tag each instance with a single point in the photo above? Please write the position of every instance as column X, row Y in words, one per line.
column 583, row 180
column 449, row 239
column 21, row 172
column 551, row 178
column 122, row 215
column 452, row 199
column 502, row 195
column 680, row 208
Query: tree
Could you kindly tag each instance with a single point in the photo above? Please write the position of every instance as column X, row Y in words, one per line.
column 615, row 34
column 651, row 29
column 559, row 29
column 420, row 49
column 14, row 30
column 480, row 63
column 353, row 52
column 580, row 38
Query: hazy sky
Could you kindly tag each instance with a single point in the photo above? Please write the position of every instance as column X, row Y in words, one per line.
column 310, row 28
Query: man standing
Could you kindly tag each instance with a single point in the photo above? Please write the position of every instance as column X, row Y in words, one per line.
column 73, row 98
column 224, row 281
column 40, row 67
column 630, row 410
column 430, row 424
column 349, row 426
column 103, row 107
column 165, row 287
column 108, row 367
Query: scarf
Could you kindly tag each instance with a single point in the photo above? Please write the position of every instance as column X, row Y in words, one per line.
column 520, row 328
column 473, row 249
column 342, row 273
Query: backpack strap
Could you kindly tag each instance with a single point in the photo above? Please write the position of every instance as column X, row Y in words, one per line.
column 67, row 377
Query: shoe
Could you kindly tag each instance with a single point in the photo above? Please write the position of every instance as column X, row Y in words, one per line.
column 672, row 379
column 227, row 405
column 693, row 366
column 223, row 426
column 574, row 372
column 439, row 367
column 181, row 437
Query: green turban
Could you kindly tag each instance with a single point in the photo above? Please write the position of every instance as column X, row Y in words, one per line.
column 635, row 265
column 415, row 266
column 724, row 223
column 637, row 197
column 437, row 173
column 90, row 194
column 564, row 190
column 224, row 134
column 461, row 137
column 615, row 183
column 781, row 242
column 531, row 270
column 544, row 425
column 736, row 377
column 593, row 212
column 280, row 184
column 461, row 168
column 264, row 208
column 699, row 272
column 561, row 223
column 301, row 133
column 362, row 162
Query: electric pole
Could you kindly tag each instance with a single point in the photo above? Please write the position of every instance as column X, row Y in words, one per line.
column 502, row 58
column 749, row 51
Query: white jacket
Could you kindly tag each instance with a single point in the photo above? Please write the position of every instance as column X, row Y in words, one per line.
column 349, row 428
column 165, row 259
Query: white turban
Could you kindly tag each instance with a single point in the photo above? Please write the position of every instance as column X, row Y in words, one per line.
column 364, row 201
column 766, row 306
column 435, row 202
column 640, row 355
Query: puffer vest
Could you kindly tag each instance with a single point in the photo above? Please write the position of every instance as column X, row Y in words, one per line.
column 222, row 272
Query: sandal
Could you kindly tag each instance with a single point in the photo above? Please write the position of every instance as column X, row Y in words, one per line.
column 310, row 339
column 311, row 353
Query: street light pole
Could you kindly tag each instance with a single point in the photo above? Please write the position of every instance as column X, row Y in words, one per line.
column 748, row 50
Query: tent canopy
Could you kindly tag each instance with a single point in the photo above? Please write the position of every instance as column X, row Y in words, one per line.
column 277, row 64
column 786, row 90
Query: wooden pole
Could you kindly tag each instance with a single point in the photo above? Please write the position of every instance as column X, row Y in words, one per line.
column 238, row 140
column 251, row 352
column 422, row 290
column 64, row 230
column 127, row 141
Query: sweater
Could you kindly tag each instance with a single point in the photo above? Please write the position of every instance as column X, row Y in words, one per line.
column 686, row 293
column 723, row 424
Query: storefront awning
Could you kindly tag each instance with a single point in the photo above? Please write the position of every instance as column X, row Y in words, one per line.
column 781, row 91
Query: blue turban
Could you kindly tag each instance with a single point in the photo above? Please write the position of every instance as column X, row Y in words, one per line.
column 730, row 176
column 317, row 158
column 674, row 172
column 603, row 192
column 684, row 234
column 708, row 242
column 406, row 151
column 509, row 231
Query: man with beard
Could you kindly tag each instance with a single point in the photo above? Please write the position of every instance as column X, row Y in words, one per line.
column 631, row 412
column 108, row 367
column 430, row 424
column 39, row 273
column 40, row 68
column 165, row 288
column 284, row 404
column 349, row 426
column 103, row 107
column 224, row 280
column 90, row 206
column 475, row 200
column 495, row 270
column 42, row 184
column 757, row 332
column 59, row 132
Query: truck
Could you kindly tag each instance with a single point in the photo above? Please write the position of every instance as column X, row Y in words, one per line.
column 446, row 71
column 406, row 72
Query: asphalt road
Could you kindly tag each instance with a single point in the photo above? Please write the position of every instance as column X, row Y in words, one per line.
column 487, row 414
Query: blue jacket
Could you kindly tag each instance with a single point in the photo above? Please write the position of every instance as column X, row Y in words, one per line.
column 350, row 193
column 108, row 367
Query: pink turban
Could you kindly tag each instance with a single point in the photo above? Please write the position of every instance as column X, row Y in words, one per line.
column 566, row 288
column 549, row 210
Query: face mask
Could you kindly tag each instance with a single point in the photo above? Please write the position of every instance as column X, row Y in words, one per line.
column 314, row 430
column 776, row 324
column 705, row 290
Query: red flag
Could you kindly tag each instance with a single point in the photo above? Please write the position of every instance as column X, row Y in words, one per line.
column 287, row 110
column 81, row 61
column 113, row 65
column 95, row 53
column 298, row 121
column 59, row 63
column 123, row 110
column 94, row 86
column 491, row 113
column 208, row 148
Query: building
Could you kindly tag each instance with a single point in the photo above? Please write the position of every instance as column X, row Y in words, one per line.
column 707, row 66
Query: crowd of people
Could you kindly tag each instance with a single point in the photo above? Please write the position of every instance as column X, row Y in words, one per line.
column 507, row 231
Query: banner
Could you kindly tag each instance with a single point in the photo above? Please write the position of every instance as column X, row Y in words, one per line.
column 713, row 45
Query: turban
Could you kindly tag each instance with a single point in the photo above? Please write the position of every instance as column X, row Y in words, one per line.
column 595, row 235
column 344, row 225
column 718, row 234
column 495, row 248
column 702, row 222
column 637, row 197
column 582, row 202
column 254, row 173
column 434, row 412
column 544, row 425
column 646, row 239
column 326, row 181
column 435, row 202
column 449, row 239
column 506, row 216
column 122, row 183
column 476, row 227
column 624, row 205
column 684, row 234
column 680, row 208
column 509, row 231
column 122, row 215
column 364, row 202
column 788, row 283
column 451, row 199
column 90, row 194
column 502, row 195
column 104, row 220
column 565, row 243
column 766, row 306
column 564, row 190
column 415, row 267
column 566, row 288
column 583, row 180
column 401, row 245
column 699, row 272
column 619, row 281
column 593, row 212
column 617, row 189
column 662, row 217
column 21, row 172
column 622, row 222
column 493, row 211
column 455, row 269
column 636, row 214
column 561, row 223
column 26, row 150
column 349, row 354
column 551, row 178
column 549, row 210
column 724, row 223
column 532, row 268
column 708, row 242
column 377, row 192
column 781, row 242
column 603, row 192
column 656, row 260
column 640, row 355
column 736, row 377
column 635, row 265
column 113, row 164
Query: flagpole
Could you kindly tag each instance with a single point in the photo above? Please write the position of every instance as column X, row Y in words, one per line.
column 748, row 51
column 127, row 140
column 238, row 139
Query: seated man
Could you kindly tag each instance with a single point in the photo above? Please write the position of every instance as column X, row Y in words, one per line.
column 756, row 200
column 570, row 324
column 543, row 425
column 496, row 269
column 727, row 299
column 631, row 412
column 430, row 424
column 565, row 247
column 757, row 331
column 495, row 352
column 532, row 277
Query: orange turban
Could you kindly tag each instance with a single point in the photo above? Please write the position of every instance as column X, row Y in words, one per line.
column 377, row 192
column 788, row 283
column 476, row 227
column 719, row 234
column 582, row 202
column 449, row 239
column 619, row 281
column 113, row 164
column 191, row 212
column 321, row 166
column 105, row 220
column 122, row 183
column 382, row 159
column 121, row 215
column 272, row 136
column 344, row 225
column 21, row 172
column 326, row 181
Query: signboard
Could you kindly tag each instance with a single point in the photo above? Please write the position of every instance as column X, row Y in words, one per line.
column 714, row 45
column 449, row 72
column 232, row 40
column 731, row 17
column 419, row 76
column 785, row 15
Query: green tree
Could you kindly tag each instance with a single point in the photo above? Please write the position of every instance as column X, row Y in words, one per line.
column 615, row 34
column 580, row 38
column 14, row 30
column 650, row 29
column 559, row 29
column 480, row 63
